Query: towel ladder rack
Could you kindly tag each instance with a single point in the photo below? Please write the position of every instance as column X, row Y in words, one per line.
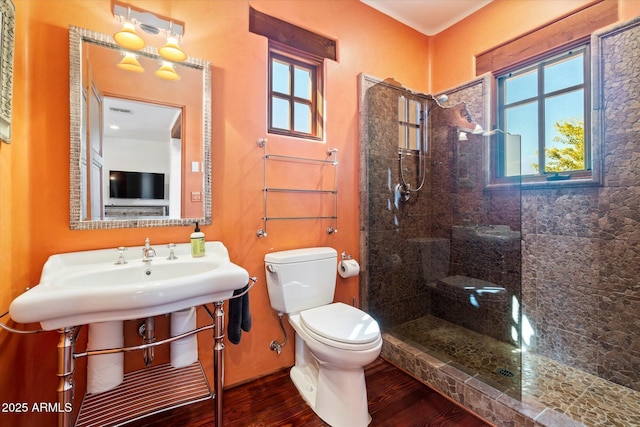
column 331, row 160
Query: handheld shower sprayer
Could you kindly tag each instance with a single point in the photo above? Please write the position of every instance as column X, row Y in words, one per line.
column 404, row 189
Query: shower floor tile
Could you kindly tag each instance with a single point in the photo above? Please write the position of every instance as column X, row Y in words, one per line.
column 586, row 398
column 493, row 362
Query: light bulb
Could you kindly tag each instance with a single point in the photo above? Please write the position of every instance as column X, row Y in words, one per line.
column 167, row 72
column 130, row 63
column 171, row 51
column 128, row 38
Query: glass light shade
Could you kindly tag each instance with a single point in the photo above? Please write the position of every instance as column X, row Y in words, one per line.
column 130, row 63
column 171, row 51
column 167, row 72
column 128, row 38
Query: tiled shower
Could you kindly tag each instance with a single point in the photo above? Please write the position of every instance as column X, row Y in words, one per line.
column 448, row 256
column 551, row 271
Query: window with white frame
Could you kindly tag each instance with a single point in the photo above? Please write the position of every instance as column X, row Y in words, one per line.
column 547, row 104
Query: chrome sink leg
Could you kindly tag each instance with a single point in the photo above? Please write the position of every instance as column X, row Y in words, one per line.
column 147, row 330
column 66, row 344
column 218, row 359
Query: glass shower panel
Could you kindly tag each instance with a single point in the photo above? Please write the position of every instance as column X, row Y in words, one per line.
column 443, row 266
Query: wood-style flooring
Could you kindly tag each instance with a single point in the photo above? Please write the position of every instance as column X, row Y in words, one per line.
column 395, row 400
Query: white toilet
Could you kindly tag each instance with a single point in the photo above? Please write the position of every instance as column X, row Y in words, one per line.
column 334, row 341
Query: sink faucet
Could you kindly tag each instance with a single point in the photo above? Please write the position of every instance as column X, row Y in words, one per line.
column 147, row 252
column 121, row 259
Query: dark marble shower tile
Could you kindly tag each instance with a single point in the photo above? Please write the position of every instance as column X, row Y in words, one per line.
column 529, row 208
column 572, row 308
column 566, row 260
column 619, row 365
column 567, row 347
column 607, row 405
column 619, row 216
column 565, row 212
column 619, row 268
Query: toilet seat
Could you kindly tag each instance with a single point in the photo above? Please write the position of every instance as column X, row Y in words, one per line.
column 342, row 326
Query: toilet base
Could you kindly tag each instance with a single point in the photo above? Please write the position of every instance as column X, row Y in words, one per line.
column 318, row 385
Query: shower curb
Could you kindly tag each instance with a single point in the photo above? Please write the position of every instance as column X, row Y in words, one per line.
column 485, row 401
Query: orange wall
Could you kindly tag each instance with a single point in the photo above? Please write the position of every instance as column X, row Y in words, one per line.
column 34, row 170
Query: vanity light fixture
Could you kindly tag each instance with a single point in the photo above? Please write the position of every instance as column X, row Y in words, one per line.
column 149, row 23
column 130, row 63
column 167, row 71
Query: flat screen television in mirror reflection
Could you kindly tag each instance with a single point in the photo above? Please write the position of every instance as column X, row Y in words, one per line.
column 136, row 185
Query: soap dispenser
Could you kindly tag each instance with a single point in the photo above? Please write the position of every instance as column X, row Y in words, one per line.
column 197, row 242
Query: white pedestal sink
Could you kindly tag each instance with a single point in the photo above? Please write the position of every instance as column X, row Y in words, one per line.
column 87, row 287
column 78, row 288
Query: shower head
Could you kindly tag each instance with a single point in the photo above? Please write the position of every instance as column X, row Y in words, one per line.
column 440, row 99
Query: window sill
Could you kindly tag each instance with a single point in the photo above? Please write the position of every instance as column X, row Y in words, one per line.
column 302, row 136
column 574, row 182
column 539, row 183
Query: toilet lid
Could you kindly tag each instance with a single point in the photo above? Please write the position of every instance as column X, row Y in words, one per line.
column 341, row 322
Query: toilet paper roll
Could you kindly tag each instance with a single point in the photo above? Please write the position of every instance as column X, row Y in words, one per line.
column 184, row 352
column 348, row 268
column 105, row 371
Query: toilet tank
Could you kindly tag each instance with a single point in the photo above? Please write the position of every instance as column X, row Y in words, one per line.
column 300, row 279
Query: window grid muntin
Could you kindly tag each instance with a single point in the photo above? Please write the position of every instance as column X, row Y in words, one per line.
column 540, row 98
column 411, row 126
column 296, row 59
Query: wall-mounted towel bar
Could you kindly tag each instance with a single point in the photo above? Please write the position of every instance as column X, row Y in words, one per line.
column 17, row 331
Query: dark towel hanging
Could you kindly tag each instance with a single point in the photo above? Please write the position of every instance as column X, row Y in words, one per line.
column 239, row 315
